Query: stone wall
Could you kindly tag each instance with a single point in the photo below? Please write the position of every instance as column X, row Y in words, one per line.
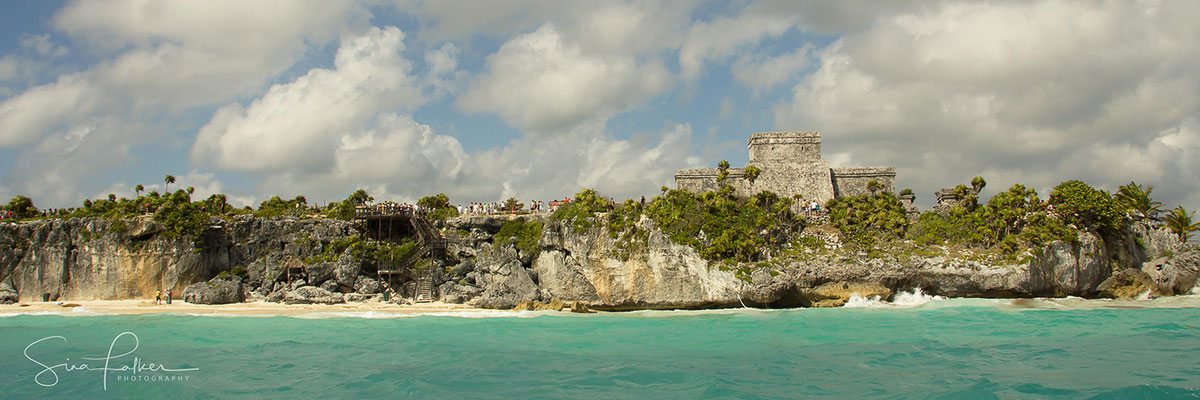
column 705, row 180
column 791, row 166
column 784, row 147
column 853, row 181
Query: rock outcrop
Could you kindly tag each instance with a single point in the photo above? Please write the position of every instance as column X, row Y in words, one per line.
column 8, row 294
column 215, row 291
column 291, row 261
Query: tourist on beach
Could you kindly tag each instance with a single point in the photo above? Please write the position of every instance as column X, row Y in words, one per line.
column 168, row 296
column 157, row 296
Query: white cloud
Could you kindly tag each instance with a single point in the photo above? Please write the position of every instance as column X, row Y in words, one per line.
column 294, row 125
column 956, row 90
column 724, row 36
column 541, row 82
column 761, row 72
column 157, row 59
column 42, row 45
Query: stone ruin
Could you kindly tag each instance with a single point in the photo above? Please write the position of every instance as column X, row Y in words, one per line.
column 948, row 199
column 790, row 165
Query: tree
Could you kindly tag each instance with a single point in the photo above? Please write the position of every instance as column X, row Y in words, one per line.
column 360, row 198
column 1138, row 199
column 874, row 186
column 723, row 166
column 138, row 189
column 191, row 190
column 22, row 207
column 978, row 183
column 1079, row 203
column 112, row 198
column 1180, row 222
column 512, row 204
column 169, row 179
column 752, row 173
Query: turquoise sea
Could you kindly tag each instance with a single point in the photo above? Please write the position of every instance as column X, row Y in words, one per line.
column 957, row 348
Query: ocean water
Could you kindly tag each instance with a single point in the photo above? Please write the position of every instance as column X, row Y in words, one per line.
column 917, row 348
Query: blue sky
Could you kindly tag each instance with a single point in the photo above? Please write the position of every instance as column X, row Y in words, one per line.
column 535, row 100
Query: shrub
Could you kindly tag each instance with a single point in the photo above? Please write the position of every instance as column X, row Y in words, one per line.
column 582, row 210
column 440, row 204
column 1085, row 206
column 524, row 235
column 863, row 219
column 722, row 226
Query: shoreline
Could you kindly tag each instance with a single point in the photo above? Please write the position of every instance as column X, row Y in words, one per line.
column 261, row 308
column 250, row 308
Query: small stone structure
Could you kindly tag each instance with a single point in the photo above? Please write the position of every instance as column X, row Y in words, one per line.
column 791, row 165
column 948, row 199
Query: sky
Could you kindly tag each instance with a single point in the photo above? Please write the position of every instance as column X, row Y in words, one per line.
column 486, row 100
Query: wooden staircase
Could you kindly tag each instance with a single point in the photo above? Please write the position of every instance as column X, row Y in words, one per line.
column 429, row 243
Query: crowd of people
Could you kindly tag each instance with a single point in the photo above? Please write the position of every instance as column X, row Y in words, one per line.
column 500, row 208
column 390, row 208
column 49, row 212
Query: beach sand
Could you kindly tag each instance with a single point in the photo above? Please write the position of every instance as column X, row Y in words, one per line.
column 140, row 307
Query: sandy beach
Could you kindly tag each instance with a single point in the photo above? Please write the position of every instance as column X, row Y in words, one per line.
column 140, row 307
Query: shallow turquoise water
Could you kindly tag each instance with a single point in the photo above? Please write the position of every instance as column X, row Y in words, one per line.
column 957, row 349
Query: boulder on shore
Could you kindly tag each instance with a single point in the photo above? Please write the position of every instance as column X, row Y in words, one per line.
column 313, row 295
column 8, row 295
column 1127, row 284
column 836, row 294
column 216, row 291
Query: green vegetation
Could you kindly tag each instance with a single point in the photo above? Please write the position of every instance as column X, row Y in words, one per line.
column 22, row 207
column 1012, row 220
column 723, row 166
column 1180, row 221
column 622, row 226
column 865, row 218
column 722, row 226
column 1134, row 197
column 364, row 251
column 524, row 235
column 344, row 210
column 752, row 173
column 440, row 205
column 276, row 207
column 1085, row 206
column 582, row 210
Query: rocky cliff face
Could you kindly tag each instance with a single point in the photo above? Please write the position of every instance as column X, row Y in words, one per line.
column 81, row 259
column 581, row 267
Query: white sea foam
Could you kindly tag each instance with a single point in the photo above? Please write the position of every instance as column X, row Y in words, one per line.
column 393, row 315
column 903, row 299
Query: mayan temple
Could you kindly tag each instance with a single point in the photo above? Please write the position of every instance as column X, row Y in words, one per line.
column 791, row 165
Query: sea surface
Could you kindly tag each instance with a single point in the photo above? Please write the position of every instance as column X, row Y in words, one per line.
column 918, row 347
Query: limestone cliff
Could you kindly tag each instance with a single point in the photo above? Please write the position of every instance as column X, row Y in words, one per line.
column 80, row 259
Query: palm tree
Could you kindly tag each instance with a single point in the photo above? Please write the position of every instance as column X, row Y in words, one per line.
column 1133, row 196
column 1180, row 222
column 169, row 179
column 191, row 190
column 112, row 198
column 138, row 189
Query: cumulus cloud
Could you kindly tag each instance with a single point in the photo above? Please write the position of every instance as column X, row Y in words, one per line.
column 722, row 37
column 1009, row 91
column 541, row 82
column 294, row 125
column 761, row 72
column 156, row 61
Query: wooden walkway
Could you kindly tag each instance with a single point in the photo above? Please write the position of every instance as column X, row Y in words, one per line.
column 430, row 243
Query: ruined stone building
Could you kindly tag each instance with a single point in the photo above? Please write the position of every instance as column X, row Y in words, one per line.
column 790, row 164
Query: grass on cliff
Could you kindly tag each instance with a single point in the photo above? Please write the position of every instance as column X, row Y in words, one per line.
column 722, row 226
column 1010, row 223
column 522, row 234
